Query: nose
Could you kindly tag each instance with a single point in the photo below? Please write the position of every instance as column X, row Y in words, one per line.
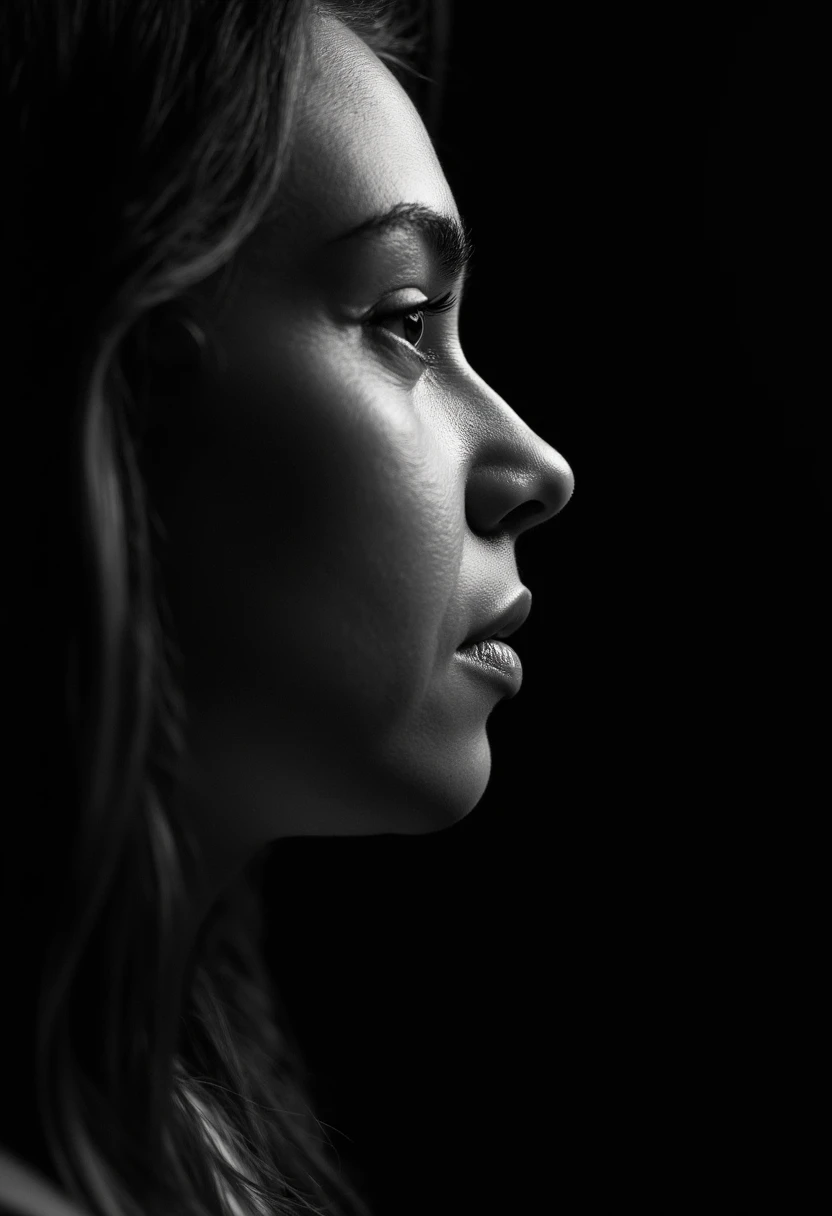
column 516, row 480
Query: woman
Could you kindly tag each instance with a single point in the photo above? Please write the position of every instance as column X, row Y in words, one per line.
column 270, row 502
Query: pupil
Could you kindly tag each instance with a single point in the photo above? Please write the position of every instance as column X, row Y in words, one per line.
column 414, row 326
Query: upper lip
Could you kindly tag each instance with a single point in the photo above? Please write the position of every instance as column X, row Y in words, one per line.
column 503, row 624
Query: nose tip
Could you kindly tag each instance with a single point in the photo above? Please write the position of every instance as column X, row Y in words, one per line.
column 567, row 484
column 557, row 486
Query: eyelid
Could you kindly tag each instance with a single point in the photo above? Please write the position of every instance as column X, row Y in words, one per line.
column 432, row 305
column 426, row 357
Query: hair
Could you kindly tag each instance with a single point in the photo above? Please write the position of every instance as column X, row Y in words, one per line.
column 144, row 142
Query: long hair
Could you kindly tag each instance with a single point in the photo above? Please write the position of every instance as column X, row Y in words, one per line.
column 143, row 142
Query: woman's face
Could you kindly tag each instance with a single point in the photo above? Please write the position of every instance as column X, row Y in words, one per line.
column 343, row 515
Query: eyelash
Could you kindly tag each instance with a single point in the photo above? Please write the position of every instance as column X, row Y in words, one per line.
column 429, row 308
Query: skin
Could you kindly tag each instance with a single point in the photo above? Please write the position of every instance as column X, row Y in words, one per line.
column 339, row 516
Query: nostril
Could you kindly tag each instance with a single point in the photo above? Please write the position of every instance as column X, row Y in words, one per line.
column 526, row 510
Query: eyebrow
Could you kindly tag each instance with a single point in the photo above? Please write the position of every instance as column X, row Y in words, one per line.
column 448, row 239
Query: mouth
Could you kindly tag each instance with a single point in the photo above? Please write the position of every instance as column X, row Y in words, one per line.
column 495, row 660
column 502, row 624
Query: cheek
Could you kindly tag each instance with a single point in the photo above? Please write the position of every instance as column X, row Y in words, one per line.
column 316, row 541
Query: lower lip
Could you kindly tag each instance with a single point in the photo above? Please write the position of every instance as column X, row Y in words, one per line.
column 496, row 660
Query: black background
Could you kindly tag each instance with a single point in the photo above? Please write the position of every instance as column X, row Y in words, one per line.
column 563, row 999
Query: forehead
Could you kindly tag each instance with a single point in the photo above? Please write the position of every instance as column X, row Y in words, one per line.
column 359, row 146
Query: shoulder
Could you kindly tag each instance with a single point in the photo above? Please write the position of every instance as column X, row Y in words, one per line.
column 26, row 1192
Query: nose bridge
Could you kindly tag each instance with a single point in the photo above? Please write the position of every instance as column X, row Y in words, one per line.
column 513, row 470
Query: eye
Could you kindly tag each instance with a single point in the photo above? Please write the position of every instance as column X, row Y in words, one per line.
column 410, row 325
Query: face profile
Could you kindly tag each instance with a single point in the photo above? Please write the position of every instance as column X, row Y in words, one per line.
column 266, row 593
column 344, row 501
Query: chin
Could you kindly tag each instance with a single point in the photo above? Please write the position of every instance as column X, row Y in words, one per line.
column 442, row 794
